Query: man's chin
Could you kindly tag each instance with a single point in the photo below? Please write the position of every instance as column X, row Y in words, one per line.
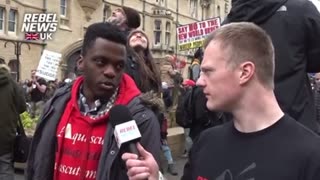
column 112, row 20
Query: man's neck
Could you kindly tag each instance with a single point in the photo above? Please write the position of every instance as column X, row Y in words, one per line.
column 90, row 98
column 258, row 111
column 123, row 27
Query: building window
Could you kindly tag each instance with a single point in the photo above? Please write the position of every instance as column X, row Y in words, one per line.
column 219, row 11
column 1, row 18
column 13, row 65
column 2, row 61
column 12, row 23
column 157, row 32
column 106, row 12
column 162, row 2
column 63, row 8
column 64, row 13
column 193, row 8
column 168, row 30
column 226, row 7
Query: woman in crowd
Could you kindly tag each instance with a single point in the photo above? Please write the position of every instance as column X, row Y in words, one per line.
column 144, row 71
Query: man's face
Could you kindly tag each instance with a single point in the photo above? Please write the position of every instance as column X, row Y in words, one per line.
column 103, row 67
column 118, row 17
column 138, row 39
column 219, row 81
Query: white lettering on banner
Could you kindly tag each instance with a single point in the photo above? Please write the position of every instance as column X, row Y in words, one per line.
column 75, row 171
column 48, row 65
column 39, row 26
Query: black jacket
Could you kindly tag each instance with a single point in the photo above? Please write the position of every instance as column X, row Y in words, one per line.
column 294, row 27
column 42, row 157
column 12, row 103
column 132, row 69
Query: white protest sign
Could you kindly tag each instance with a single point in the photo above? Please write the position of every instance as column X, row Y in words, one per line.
column 48, row 65
column 191, row 36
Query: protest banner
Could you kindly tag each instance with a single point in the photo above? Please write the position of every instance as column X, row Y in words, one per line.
column 48, row 65
column 192, row 35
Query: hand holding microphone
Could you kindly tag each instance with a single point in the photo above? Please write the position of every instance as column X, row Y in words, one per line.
column 126, row 131
column 141, row 164
column 143, row 167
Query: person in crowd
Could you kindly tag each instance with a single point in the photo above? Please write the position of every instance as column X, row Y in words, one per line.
column 293, row 26
column 262, row 142
column 12, row 104
column 168, row 71
column 140, row 64
column 37, row 94
column 167, row 99
column 126, row 18
column 194, row 68
column 182, row 115
column 74, row 139
column 142, row 68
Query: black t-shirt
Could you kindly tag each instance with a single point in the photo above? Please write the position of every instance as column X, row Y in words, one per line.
column 36, row 95
column 283, row 151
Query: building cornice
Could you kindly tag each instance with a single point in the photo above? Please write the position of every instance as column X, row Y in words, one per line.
column 28, row 5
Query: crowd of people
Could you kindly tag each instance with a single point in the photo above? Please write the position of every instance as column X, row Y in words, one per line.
column 250, row 77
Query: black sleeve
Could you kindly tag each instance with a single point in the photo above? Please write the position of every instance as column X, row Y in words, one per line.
column 187, row 174
column 150, row 133
column 198, row 143
column 312, row 24
column 20, row 101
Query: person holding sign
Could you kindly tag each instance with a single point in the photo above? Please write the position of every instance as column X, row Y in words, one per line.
column 37, row 94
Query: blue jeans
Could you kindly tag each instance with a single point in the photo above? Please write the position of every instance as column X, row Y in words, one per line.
column 166, row 151
column 6, row 167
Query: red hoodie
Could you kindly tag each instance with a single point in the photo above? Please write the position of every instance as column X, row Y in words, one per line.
column 80, row 138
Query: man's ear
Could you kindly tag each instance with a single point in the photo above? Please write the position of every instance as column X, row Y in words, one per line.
column 247, row 70
column 80, row 63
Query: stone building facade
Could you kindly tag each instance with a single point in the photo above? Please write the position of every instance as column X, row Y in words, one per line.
column 159, row 20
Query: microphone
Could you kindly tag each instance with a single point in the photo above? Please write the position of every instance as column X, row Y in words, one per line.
column 125, row 128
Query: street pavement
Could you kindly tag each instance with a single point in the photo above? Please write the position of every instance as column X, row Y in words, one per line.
column 180, row 162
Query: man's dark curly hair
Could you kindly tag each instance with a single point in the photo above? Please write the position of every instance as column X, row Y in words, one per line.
column 102, row 30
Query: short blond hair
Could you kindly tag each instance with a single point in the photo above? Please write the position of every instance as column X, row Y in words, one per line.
column 245, row 41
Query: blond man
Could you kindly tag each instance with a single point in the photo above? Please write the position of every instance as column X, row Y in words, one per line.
column 261, row 142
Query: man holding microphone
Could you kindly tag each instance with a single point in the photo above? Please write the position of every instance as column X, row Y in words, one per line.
column 237, row 76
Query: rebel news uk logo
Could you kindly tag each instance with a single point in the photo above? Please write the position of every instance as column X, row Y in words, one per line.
column 39, row 26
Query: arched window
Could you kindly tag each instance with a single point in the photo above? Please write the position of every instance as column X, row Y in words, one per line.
column 219, row 11
column 2, row 61
column 157, row 31
column 72, row 70
column 13, row 65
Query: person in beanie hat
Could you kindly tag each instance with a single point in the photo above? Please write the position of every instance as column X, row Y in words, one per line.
column 125, row 18
column 140, row 64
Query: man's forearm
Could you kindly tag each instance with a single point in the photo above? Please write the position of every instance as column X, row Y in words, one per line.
column 42, row 88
